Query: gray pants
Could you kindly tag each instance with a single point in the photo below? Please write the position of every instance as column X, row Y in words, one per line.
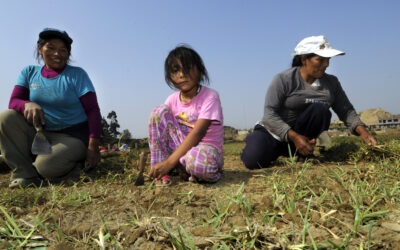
column 16, row 137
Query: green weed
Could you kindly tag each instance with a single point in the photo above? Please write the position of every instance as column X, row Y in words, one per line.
column 234, row 148
column 188, row 197
column 17, row 235
column 179, row 242
column 105, row 236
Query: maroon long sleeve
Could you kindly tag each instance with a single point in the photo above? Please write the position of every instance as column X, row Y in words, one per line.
column 19, row 97
column 91, row 107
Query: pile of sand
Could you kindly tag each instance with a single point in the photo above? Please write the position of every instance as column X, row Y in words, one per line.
column 372, row 116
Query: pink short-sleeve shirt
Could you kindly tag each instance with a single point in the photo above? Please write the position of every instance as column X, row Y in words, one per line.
column 205, row 105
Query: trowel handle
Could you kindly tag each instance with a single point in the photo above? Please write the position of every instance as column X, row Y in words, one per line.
column 142, row 160
column 38, row 128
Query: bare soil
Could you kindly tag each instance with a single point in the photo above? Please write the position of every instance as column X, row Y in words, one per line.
column 110, row 203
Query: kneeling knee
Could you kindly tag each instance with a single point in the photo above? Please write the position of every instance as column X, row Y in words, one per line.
column 47, row 170
column 8, row 115
column 158, row 110
column 253, row 161
column 321, row 108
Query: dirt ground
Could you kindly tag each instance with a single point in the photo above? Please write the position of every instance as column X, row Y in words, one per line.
column 107, row 209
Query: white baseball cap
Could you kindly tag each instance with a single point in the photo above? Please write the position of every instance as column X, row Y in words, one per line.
column 317, row 45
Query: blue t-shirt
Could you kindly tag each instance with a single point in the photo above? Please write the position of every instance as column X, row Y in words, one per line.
column 58, row 96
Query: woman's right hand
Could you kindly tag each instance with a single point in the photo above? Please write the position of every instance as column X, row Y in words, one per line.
column 303, row 145
column 34, row 114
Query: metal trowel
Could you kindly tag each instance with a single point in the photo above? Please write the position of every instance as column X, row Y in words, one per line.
column 40, row 145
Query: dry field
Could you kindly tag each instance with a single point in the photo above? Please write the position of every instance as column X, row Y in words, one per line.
column 346, row 199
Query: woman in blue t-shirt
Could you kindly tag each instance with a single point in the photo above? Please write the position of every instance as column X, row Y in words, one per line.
column 60, row 99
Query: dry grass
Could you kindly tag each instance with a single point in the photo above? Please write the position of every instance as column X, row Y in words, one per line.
column 349, row 201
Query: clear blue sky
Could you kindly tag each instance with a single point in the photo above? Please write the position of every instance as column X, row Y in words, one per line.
column 122, row 45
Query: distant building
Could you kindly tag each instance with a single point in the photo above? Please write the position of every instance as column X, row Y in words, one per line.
column 373, row 119
column 229, row 133
column 243, row 132
column 232, row 134
column 391, row 122
column 337, row 125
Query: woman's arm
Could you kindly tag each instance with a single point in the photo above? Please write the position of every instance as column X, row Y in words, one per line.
column 20, row 102
column 343, row 107
column 19, row 97
column 304, row 145
column 365, row 135
column 92, row 110
column 346, row 113
column 194, row 137
column 275, row 97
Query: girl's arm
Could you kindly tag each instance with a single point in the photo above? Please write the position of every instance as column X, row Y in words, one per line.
column 194, row 137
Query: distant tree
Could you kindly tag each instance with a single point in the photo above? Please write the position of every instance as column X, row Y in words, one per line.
column 104, row 127
column 126, row 135
column 105, row 134
column 110, row 128
column 113, row 125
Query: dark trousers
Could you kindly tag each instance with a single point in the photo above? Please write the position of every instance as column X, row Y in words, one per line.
column 262, row 148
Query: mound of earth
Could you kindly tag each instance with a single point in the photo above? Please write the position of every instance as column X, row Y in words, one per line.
column 372, row 116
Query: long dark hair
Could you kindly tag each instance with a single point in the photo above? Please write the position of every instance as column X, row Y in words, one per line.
column 189, row 58
column 297, row 59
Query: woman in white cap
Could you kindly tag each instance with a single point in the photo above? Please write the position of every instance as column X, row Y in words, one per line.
column 60, row 99
column 297, row 104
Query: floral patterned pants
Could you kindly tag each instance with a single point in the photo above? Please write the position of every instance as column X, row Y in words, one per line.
column 203, row 161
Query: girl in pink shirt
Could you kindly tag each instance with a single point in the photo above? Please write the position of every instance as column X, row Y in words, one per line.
column 187, row 131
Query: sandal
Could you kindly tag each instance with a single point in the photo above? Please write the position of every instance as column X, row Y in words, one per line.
column 193, row 179
column 182, row 172
column 165, row 181
column 25, row 182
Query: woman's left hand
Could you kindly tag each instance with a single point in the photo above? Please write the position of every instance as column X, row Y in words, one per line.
column 92, row 158
column 161, row 169
column 368, row 139
column 93, row 153
column 366, row 136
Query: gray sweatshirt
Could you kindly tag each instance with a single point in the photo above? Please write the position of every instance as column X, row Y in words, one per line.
column 289, row 95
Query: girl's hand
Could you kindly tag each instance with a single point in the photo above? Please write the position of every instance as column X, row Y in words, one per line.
column 161, row 169
column 303, row 145
column 34, row 114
